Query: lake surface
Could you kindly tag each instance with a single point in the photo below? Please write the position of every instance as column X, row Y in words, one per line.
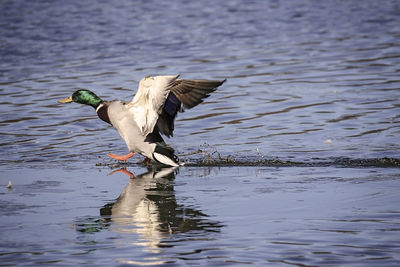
column 265, row 216
column 293, row 161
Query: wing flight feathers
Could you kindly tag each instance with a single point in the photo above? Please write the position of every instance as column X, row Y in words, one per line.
column 191, row 92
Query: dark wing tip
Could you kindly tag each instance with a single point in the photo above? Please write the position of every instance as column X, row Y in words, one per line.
column 188, row 93
column 191, row 92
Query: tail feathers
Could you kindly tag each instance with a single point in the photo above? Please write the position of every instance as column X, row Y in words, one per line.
column 165, row 156
column 164, row 159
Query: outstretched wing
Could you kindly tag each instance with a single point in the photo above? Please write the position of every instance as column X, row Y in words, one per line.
column 192, row 92
column 148, row 103
column 186, row 93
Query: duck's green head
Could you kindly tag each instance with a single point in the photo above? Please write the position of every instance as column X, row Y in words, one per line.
column 85, row 97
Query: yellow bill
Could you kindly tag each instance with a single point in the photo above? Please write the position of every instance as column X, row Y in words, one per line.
column 66, row 100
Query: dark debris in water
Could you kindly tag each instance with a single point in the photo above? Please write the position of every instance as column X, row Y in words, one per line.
column 217, row 160
column 372, row 162
column 333, row 162
column 214, row 158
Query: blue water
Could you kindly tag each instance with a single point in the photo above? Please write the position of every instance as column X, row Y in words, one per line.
column 201, row 216
column 309, row 83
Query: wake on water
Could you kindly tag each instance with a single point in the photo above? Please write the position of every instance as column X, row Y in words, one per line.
column 203, row 158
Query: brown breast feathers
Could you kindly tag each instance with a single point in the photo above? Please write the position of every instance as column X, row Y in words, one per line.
column 102, row 112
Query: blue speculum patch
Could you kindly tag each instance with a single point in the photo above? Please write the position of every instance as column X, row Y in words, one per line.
column 172, row 104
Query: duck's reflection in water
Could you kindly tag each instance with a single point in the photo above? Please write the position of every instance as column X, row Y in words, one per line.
column 147, row 206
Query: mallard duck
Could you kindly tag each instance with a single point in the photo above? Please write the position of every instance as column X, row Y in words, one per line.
column 151, row 112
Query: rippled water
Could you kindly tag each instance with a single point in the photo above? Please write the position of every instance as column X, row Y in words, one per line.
column 298, row 74
column 309, row 83
column 201, row 216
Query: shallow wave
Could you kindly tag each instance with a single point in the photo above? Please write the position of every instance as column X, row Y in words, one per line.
column 216, row 160
column 332, row 162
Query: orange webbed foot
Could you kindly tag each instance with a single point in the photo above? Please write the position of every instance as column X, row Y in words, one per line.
column 124, row 171
column 121, row 157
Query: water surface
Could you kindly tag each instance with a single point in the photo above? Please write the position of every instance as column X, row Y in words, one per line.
column 294, row 160
column 202, row 216
column 299, row 74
